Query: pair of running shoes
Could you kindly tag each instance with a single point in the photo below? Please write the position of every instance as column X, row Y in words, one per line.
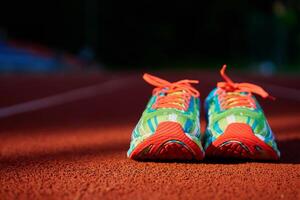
column 169, row 128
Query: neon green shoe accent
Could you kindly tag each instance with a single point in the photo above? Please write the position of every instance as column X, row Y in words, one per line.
column 187, row 117
column 219, row 118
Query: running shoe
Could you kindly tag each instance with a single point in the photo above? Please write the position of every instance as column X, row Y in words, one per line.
column 169, row 128
column 237, row 126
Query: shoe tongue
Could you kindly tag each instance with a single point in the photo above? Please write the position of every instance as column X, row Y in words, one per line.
column 173, row 94
column 239, row 93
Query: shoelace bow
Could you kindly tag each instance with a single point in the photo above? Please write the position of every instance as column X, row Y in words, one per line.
column 172, row 95
column 230, row 96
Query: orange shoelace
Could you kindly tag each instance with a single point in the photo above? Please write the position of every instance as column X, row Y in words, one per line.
column 230, row 96
column 172, row 95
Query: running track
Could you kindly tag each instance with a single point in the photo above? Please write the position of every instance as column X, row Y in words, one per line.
column 66, row 136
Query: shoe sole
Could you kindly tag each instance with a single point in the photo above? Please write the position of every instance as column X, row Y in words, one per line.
column 239, row 141
column 169, row 142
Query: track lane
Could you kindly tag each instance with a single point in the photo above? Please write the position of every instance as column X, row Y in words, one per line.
column 77, row 151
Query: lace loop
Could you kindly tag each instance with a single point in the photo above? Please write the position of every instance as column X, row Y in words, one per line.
column 172, row 95
column 230, row 93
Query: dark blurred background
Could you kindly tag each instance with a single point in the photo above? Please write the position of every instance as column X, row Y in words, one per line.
column 156, row 34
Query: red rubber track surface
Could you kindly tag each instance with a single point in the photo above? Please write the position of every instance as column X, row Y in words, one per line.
column 77, row 150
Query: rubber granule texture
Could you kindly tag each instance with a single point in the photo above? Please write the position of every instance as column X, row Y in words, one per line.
column 78, row 150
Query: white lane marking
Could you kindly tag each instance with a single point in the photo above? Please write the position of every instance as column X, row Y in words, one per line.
column 66, row 97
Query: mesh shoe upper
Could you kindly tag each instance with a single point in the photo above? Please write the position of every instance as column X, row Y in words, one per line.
column 186, row 115
column 239, row 106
